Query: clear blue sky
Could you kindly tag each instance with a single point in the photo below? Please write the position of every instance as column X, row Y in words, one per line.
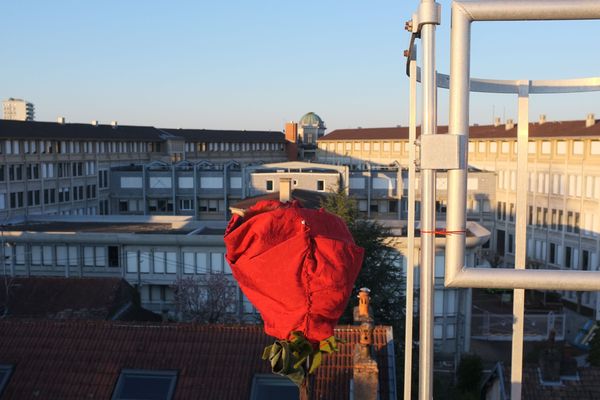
column 257, row 64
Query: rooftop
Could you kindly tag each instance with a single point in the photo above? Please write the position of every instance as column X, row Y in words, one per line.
column 72, row 298
column 99, row 227
column 83, row 359
column 536, row 130
column 10, row 129
column 231, row 136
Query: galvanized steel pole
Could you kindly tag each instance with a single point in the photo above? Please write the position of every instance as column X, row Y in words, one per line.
column 516, row 371
column 410, row 261
column 426, row 294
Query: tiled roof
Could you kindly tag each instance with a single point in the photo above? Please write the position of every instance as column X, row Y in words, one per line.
column 72, row 298
column 548, row 129
column 10, row 129
column 82, row 359
column 586, row 388
column 209, row 135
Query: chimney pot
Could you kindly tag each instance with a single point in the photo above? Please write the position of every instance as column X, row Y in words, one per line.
column 285, row 189
column 363, row 302
column 590, row 120
column 509, row 124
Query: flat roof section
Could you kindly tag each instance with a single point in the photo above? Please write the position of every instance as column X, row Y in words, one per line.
column 100, row 227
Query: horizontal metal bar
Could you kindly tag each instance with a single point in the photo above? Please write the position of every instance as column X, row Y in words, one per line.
column 576, row 85
column 501, row 278
column 539, row 10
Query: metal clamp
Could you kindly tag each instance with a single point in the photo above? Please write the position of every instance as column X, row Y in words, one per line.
column 427, row 13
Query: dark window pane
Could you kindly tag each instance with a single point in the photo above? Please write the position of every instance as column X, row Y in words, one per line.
column 147, row 385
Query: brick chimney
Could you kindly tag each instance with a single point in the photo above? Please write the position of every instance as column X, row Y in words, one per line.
column 590, row 120
column 285, row 189
column 291, row 139
column 509, row 124
column 365, row 370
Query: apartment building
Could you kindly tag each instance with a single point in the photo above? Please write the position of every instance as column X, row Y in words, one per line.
column 563, row 182
column 563, row 199
column 62, row 168
column 151, row 253
column 18, row 109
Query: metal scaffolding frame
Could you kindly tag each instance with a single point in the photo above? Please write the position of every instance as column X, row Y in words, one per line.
column 455, row 160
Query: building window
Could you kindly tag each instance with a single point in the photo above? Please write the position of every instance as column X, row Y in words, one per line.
column 320, row 186
column 5, row 373
column 186, row 204
column 568, row 256
column 103, row 179
column 160, row 205
column 113, row 256
column 269, row 185
column 15, row 172
column 552, row 255
column 560, row 220
column 273, row 387
column 145, row 384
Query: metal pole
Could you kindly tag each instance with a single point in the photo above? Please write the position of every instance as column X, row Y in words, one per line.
column 458, row 124
column 516, row 372
column 428, row 127
column 410, row 262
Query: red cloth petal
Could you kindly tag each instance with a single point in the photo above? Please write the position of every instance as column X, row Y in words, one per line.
column 296, row 265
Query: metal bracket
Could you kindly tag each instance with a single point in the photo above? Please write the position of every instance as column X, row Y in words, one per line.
column 443, row 152
column 427, row 13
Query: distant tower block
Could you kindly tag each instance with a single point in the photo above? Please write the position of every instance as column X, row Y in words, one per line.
column 18, row 109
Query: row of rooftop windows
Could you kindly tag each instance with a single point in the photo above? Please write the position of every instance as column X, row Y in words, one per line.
column 577, row 147
column 553, row 253
column 16, row 147
column 341, row 147
column 33, row 198
column 146, row 261
column 186, row 205
column 191, row 147
column 34, row 171
column 544, row 147
column 554, row 219
column 587, row 186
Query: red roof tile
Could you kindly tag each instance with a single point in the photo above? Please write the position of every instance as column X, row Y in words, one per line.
column 83, row 359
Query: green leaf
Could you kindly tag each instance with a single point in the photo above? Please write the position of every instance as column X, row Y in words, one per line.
column 316, row 361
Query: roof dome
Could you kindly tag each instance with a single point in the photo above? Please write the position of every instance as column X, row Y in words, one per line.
column 311, row 119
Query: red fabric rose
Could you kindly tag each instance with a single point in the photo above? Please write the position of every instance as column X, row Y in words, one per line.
column 296, row 265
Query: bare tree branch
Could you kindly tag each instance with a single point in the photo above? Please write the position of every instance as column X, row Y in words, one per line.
column 210, row 298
